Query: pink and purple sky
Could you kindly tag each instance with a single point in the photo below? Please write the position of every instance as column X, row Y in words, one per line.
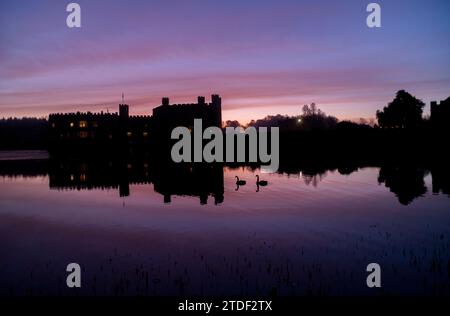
column 262, row 57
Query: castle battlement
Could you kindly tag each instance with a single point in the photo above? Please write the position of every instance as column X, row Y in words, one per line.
column 86, row 114
column 169, row 115
column 95, row 127
column 440, row 112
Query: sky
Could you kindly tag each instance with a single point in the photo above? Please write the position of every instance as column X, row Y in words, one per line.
column 262, row 57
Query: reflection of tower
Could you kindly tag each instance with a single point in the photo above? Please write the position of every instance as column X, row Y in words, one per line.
column 440, row 174
column 124, row 179
column 124, row 188
column 167, row 198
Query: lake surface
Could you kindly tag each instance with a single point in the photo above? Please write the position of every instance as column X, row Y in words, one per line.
column 300, row 234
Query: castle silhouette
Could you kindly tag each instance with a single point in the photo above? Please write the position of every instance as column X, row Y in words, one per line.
column 440, row 113
column 403, row 163
column 87, row 128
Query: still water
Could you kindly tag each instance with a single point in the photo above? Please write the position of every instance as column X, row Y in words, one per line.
column 300, row 234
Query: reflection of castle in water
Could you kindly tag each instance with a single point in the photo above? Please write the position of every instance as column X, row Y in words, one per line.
column 206, row 180
column 201, row 180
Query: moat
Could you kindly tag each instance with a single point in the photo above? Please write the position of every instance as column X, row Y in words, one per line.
column 303, row 233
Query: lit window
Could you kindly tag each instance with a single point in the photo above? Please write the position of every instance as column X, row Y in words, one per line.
column 53, row 125
column 83, row 124
column 129, row 134
column 84, row 134
column 71, row 124
column 145, row 134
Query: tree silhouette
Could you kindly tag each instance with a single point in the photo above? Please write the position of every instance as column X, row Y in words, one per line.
column 233, row 123
column 312, row 118
column 315, row 118
column 405, row 111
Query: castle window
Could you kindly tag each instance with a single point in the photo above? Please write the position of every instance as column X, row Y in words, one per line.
column 83, row 124
column 53, row 125
column 71, row 124
column 145, row 134
column 129, row 134
column 84, row 134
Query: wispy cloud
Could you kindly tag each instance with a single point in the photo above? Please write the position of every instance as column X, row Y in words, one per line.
column 264, row 57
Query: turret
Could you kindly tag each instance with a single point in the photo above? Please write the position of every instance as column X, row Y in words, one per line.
column 216, row 103
column 201, row 100
column 123, row 111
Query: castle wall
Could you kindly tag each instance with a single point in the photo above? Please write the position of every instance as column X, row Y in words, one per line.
column 440, row 113
column 86, row 128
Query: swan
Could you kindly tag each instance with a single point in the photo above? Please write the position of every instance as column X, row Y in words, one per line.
column 240, row 182
column 262, row 183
